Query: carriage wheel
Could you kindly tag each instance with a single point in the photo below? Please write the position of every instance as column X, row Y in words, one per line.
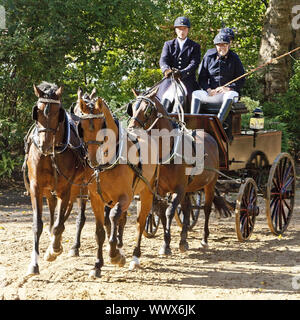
column 258, row 167
column 152, row 224
column 196, row 205
column 246, row 209
column 281, row 193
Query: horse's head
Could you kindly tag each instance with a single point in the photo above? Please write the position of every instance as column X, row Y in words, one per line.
column 92, row 128
column 144, row 110
column 49, row 115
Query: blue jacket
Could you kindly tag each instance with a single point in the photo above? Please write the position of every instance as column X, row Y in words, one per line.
column 187, row 61
column 215, row 72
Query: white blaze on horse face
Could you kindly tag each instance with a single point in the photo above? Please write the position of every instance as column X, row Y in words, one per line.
column 106, row 153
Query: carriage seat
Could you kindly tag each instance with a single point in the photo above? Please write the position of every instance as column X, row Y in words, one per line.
column 213, row 108
column 234, row 119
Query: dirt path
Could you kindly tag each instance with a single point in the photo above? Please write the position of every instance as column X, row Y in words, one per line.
column 266, row 267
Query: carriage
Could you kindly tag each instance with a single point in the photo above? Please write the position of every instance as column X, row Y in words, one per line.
column 251, row 166
column 244, row 162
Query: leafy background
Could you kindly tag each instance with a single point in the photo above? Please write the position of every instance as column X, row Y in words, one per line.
column 114, row 45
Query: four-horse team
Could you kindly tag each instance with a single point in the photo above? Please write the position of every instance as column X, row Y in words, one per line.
column 88, row 154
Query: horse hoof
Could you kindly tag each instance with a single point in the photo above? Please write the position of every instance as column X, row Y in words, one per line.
column 122, row 261
column 74, row 253
column 51, row 255
column 95, row 273
column 183, row 247
column 203, row 245
column 164, row 251
column 134, row 264
column 33, row 270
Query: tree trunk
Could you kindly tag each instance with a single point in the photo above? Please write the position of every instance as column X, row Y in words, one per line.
column 278, row 37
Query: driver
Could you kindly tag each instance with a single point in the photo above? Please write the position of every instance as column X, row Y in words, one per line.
column 180, row 57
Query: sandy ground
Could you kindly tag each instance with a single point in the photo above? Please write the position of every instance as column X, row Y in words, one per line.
column 265, row 267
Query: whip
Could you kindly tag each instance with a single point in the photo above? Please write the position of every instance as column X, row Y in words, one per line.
column 259, row 67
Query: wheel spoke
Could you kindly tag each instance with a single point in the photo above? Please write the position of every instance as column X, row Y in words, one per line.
column 287, row 205
column 287, row 172
column 252, row 198
column 274, row 215
column 273, row 201
column 284, row 214
column 280, row 215
column 288, row 183
column 275, row 183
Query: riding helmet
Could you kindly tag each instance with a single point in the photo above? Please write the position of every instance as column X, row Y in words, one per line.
column 221, row 38
column 182, row 22
column 229, row 32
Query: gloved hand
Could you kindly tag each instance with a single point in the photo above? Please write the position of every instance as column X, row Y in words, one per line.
column 176, row 74
column 168, row 73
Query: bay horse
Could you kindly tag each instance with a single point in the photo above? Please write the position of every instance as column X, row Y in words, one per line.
column 90, row 100
column 148, row 113
column 55, row 170
column 116, row 181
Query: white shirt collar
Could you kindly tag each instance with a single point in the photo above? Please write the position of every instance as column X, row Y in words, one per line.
column 181, row 42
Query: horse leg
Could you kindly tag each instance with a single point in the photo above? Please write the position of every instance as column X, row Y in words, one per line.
column 51, row 201
column 80, row 221
column 186, row 209
column 37, row 227
column 143, row 209
column 170, row 212
column 55, row 248
column 115, row 254
column 107, row 223
column 209, row 197
column 121, row 226
column 98, row 209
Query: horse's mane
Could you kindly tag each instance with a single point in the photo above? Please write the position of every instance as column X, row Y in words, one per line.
column 49, row 89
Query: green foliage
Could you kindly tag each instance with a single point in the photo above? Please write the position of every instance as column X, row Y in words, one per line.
column 8, row 165
column 112, row 45
column 286, row 108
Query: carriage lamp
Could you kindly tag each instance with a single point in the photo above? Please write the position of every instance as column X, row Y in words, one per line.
column 257, row 122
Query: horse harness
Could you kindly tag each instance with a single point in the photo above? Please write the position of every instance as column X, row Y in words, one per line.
column 119, row 159
column 33, row 136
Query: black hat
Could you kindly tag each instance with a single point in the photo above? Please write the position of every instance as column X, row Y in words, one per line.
column 228, row 31
column 221, row 38
column 182, row 22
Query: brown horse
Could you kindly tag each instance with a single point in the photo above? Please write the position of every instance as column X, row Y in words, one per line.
column 116, row 181
column 55, row 170
column 90, row 100
column 148, row 113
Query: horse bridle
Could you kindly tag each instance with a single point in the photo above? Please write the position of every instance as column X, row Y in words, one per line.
column 48, row 102
column 148, row 111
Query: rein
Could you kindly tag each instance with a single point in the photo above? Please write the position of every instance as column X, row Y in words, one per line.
column 59, row 148
column 118, row 157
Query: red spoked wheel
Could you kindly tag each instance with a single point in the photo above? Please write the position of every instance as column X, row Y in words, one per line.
column 281, row 190
column 197, row 203
column 152, row 224
column 246, row 209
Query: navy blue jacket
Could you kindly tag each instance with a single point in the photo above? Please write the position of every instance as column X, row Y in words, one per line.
column 187, row 61
column 215, row 72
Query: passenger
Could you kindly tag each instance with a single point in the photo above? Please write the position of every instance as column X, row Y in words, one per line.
column 217, row 68
column 180, row 57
